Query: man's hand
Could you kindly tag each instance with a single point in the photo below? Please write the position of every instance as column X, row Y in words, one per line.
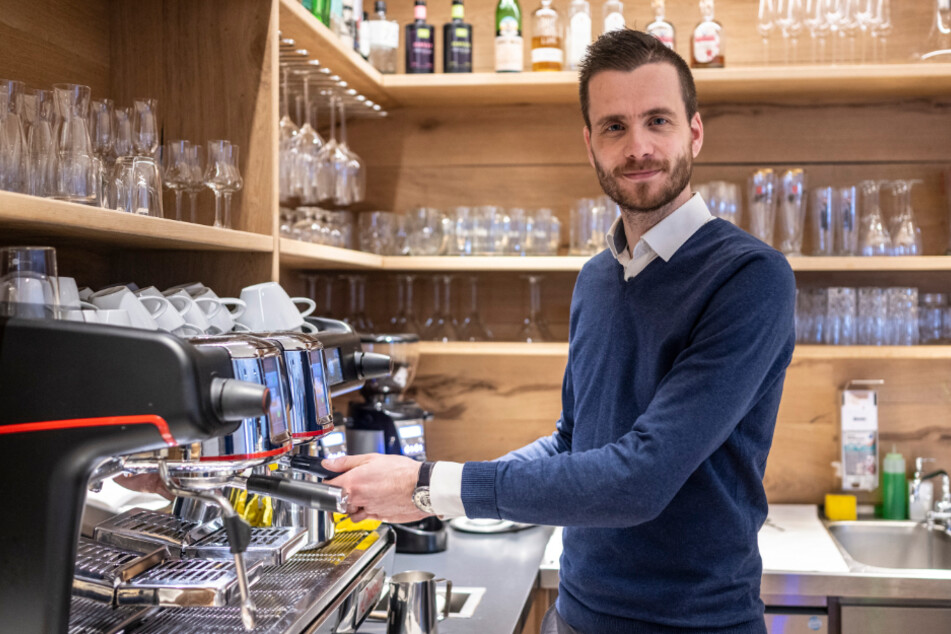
column 380, row 486
column 144, row 483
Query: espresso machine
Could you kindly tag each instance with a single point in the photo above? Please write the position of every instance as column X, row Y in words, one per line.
column 386, row 421
column 155, row 404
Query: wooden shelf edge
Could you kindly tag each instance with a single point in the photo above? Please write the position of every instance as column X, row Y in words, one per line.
column 71, row 220
column 871, row 353
column 875, row 263
column 309, row 33
column 305, row 255
column 450, row 263
column 494, row 348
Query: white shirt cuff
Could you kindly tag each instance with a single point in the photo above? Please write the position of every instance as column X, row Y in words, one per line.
column 445, row 490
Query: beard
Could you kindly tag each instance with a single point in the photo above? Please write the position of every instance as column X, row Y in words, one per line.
column 642, row 200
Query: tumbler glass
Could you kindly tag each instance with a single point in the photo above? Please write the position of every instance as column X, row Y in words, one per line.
column 29, row 283
column 762, row 191
column 136, row 186
column 846, row 221
column 823, row 220
column 931, row 309
column 792, row 211
column 902, row 324
column 841, row 313
column 872, row 317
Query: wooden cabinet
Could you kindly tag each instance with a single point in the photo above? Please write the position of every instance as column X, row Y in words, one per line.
column 512, row 140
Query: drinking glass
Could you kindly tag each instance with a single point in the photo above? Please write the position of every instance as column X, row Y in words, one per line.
column 931, row 309
column 196, row 180
column 320, row 288
column 287, row 143
column 815, row 21
column 846, row 221
column 789, row 18
column 441, row 326
column 76, row 176
column 40, row 144
column 841, row 316
column 762, row 202
column 14, row 155
column 405, row 318
column 872, row 317
column 326, row 161
column 145, row 126
column 874, row 238
column 723, row 200
column 472, row 229
column 472, row 328
column 882, row 27
column 136, row 186
column 902, row 323
column 219, row 174
column 352, row 188
column 102, row 123
column 813, row 303
column 178, row 171
column 123, row 127
column 235, row 184
column 377, row 232
column 543, row 233
column 357, row 316
column 865, row 15
column 304, row 148
column 534, row 327
column 426, row 231
column 29, row 285
column 792, row 211
column 823, row 220
column 906, row 234
column 765, row 17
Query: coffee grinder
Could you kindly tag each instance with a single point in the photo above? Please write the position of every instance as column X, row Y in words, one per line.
column 386, row 422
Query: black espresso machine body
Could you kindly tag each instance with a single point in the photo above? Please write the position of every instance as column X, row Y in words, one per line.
column 73, row 395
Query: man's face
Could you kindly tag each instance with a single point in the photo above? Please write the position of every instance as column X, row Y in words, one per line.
column 641, row 143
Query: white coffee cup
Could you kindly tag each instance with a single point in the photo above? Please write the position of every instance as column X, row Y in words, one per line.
column 110, row 316
column 193, row 288
column 91, row 316
column 171, row 320
column 139, row 312
column 270, row 308
column 85, row 293
column 189, row 309
column 69, row 297
column 26, row 287
column 217, row 309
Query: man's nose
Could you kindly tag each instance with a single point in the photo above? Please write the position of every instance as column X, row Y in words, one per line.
column 637, row 145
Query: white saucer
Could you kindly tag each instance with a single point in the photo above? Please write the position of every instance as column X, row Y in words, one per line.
column 467, row 525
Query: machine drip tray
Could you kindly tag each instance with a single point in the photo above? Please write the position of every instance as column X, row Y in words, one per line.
column 462, row 605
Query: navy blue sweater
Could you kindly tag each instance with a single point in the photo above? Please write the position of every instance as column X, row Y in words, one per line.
column 669, row 403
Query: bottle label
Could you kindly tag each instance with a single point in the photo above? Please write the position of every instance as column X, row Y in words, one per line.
column 579, row 37
column 462, row 33
column 364, row 37
column 509, row 55
column 419, row 12
column 547, row 54
column 458, row 12
column 706, row 42
column 423, row 33
column 509, row 27
column 613, row 22
column 384, row 33
column 944, row 5
column 663, row 32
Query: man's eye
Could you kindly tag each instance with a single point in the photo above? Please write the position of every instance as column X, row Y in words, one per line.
column 614, row 127
column 658, row 121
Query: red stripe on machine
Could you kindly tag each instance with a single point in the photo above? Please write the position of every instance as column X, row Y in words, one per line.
column 248, row 456
column 104, row 421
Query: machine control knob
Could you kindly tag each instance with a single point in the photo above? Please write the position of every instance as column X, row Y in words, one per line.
column 371, row 365
column 236, row 400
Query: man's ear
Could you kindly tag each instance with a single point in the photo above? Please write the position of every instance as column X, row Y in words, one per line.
column 586, row 132
column 696, row 134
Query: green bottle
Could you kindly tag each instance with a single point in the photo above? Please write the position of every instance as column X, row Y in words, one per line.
column 894, row 487
column 321, row 10
column 509, row 54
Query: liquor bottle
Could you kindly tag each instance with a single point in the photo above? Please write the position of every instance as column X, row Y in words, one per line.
column 345, row 26
column 457, row 42
column 509, row 55
column 546, row 39
column 613, row 16
column 363, row 36
column 660, row 27
column 321, row 10
column 384, row 38
column 707, row 41
column 419, row 42
column 579, row 32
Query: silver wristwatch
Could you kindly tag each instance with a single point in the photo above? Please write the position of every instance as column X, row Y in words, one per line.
column 421, row 495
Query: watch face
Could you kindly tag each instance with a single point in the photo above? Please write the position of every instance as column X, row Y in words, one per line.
column 422, row 500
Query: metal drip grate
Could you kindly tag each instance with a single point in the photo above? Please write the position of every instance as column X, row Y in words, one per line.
column 100, row 561
column 91, row 617
column 269, row 546
column 139, row 529
column 185, row 582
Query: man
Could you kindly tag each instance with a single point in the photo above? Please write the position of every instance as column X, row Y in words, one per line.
column 680, row 335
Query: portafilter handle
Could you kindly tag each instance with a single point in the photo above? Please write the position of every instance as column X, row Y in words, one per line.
column 312, row 465
column 312, row 495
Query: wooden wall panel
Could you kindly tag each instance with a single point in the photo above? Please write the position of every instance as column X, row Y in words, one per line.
column 487, row 405
column 212, row 66
column 47, row 42
column 744, row 47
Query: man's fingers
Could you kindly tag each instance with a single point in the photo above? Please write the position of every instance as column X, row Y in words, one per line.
column 359, row 516
column 346, row 463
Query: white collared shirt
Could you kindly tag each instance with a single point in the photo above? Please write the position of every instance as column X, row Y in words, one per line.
column 663, row 239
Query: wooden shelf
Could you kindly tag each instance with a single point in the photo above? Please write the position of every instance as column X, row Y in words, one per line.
column 309, row 33
column 304, row 255
column 809, row 84
column 877, row 263
column 36, row 217
column 437, row 263
column 802, row 352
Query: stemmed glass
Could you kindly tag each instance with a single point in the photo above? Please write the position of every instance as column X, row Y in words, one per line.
column 789, row 18
column 355, row 184
column 305, row 149
column 234, row 186
column 441, row 326
column 764, row 25
column 320, row 289
column 849, row 25
column 534, row 328
column 834, row 10
column 815, row 21
column 357, row 316
column 219, row 174
column 195, row 182
column 865, row 12
column 178, row 171
column 405, row 318
column 287, row 142
column 102, row 135
column 906, row 234
column 123, row 142
column 326, row 166
column 472, row 328
column 145, row 127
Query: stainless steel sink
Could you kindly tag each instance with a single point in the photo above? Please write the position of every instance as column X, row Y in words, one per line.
column 871, row 545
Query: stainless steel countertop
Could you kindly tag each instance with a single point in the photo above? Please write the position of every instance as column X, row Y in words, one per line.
column 505, row 564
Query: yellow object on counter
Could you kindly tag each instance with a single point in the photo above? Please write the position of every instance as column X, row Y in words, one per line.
column 840, row 507
column 343, row 524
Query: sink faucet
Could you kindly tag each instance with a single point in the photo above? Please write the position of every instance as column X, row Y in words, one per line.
column 942, row 509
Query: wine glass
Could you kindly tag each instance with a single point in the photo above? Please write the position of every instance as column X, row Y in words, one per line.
column 195, row 182
column 219, row 174
column 306, row 151
column 326, row 167
column 882, row 27
column 764, row 25
column 287, row 142
column 815, row 21
column 472, row 328
column 234, row 186
column 320, row 289
column 145, row 127
column 789, row 18
column 357, row 316
column 178, row 172
column 534, row 328
column 441, row 326
column 354, row 185
column 123, row 142
column 405, row 318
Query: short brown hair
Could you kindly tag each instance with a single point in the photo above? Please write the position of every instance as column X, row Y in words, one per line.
column 626, row 50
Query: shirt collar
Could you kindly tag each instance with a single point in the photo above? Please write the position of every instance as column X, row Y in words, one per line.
column 668, row 235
